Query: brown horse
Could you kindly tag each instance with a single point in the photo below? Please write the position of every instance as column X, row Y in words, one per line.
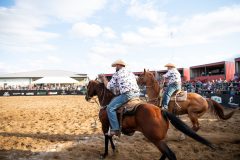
column 148, row 119
column 195, row 105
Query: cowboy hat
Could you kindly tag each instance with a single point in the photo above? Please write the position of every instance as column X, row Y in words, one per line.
column 170, row 65
column 120, row 62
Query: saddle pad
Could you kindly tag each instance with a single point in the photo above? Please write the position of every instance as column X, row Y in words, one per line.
column 130, row 105
column 181, row 96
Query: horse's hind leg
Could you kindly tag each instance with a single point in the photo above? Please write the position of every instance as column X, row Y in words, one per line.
column 166, row 151
column 194, row 119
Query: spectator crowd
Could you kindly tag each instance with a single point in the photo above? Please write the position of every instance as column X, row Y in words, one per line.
column 65, row 87
column 214, row 86
column 201, row 87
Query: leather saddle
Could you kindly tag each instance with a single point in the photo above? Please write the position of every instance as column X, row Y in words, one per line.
column 179, row 95
column 130, row 107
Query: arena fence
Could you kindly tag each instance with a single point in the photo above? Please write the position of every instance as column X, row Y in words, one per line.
column 225, row 99
column 39, row 92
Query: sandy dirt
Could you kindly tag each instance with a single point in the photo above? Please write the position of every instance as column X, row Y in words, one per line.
column 63, row 128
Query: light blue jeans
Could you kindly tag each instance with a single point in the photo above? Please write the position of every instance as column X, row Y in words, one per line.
column 168, row 93
column 115, row 104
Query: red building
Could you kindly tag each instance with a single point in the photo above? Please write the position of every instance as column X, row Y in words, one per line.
column 213, row 71
column 237, row 65
column 185, row 74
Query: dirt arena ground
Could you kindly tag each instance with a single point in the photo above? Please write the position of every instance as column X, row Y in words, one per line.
column 62, row 128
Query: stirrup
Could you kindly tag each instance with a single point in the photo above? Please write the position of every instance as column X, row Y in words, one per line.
column 164, row 107
column 113, row 133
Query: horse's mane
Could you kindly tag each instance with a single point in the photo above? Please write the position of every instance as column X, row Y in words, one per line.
column 154, row 82
column 108, row 95
column 152, row 76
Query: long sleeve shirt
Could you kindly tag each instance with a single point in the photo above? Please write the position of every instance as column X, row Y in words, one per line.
column 123, row 80
column 173, row 76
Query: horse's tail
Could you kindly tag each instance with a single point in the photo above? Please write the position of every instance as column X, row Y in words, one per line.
column 181, row 126
column 217, row 109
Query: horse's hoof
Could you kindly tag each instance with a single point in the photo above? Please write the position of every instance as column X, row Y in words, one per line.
column 115, row 151
column 103, row 156
column 182, row 137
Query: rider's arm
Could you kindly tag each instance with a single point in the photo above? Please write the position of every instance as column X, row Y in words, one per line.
column 166, row 75
column 105, row 81
column 112, row 83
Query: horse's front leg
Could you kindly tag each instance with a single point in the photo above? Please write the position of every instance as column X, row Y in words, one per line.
column 112, row 144
column 106, row 147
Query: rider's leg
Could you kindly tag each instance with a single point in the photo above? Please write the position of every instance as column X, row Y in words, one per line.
column 111, row 110
column 168, row 93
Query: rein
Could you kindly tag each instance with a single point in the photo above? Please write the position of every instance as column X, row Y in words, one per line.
column 102, row 93
column 157, row 99
column 150, row 86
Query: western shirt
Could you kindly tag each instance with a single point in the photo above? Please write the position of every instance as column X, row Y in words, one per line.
column 173, row 76
column 124, row 81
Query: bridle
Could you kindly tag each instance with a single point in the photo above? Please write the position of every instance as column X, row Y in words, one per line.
column 157, row 99
column 87, row 96
column 101, row 95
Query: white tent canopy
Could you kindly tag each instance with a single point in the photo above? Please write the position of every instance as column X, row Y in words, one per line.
column 56, row 80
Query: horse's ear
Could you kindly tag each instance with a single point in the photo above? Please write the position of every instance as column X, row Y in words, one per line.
column 96, row 79
column 144, row 71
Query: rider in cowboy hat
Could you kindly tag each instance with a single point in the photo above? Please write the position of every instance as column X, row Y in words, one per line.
column 125, row 81
column 174, row 83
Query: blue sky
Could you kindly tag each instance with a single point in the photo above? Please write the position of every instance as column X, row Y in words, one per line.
column 87, row 36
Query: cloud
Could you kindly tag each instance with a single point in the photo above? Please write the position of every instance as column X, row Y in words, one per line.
column 108, row 49
column 26, row 64
column 19, row 32
column 99, row 64
column 144, row 35
column 109, row 33
column 212, row 25
column 198, row 29
column 64, row 10
column 23, row 26
column 101, row 56
column 49, row 61
column 54, row 59
column 146, row 11
column 86, row 30
column 10, row 68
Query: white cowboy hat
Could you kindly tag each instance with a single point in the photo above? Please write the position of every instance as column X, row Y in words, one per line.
column 170, row 65
column 120, row 62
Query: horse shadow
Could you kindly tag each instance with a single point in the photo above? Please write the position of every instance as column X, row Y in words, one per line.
column 83, row 146
column 54, row 146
